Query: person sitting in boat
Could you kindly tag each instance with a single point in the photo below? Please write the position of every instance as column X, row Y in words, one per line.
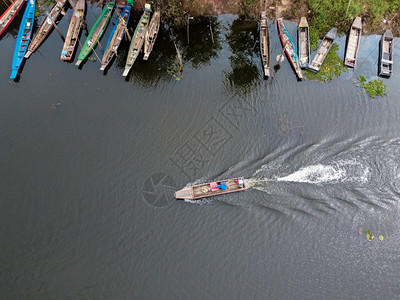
column 239, row 182
column 222, row 186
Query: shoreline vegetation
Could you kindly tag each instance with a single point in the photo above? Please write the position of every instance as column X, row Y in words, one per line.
column 377, row 15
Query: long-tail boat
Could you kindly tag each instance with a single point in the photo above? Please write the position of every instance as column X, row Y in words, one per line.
column 322, row 51
column 386, row 54
column 353, row 43
column 116, row 36
column 96, row 32
column 264, row 44
column 10, row 14
column 303, row 41
column 138, row 39
column 151, row 34
column 23, row 37
column 46, row 27
column 212, row 189
column 289, row 47
column 74, row 29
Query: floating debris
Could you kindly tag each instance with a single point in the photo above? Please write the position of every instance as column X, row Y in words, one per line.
column 370, row 236
column 373, row 87
column 55, row 106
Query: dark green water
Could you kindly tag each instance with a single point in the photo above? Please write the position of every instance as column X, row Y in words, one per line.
column 89, row 163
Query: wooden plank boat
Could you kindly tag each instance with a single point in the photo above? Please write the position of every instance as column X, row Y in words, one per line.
column 151, row 34
column 116, row 36
column 137, row 39
column 289, row 47
column 10, row 14
column 74, row 29
column 46, row 27
column 386, row 54
column 212, row 189
column 23, row 38
column 96, row 32
column 303, row 41
column 265, row 48
column 322, row 51
column 353, row 43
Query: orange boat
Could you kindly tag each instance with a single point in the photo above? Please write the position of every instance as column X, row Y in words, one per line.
column 212, row 189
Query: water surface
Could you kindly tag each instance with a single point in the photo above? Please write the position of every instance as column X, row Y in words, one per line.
column 89, row 162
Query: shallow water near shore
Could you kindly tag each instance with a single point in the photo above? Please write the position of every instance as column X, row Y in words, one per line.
column 90, row 162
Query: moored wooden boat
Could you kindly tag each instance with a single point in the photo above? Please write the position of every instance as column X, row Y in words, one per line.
column 116, row 36
column 386, row 54
column 96, row 32
column 151, row 34
column 264, row 44
column 74, row 29
column 212, row 189
column 289, row 47
column 46, row 27
column 137, row 39
column 10, row 14
column 322, row 51
column 353, row 43
column 303, row 41
column 23, row 37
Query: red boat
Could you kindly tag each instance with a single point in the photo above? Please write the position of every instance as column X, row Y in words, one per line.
column 212, row 189
column 10, row 14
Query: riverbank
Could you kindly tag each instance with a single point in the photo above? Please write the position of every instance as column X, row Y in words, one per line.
column 377, row 15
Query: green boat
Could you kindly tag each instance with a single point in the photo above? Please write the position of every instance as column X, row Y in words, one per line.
column 96, row 32
column 138, row 39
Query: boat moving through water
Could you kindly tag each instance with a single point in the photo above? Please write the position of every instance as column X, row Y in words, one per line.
column 212, row 189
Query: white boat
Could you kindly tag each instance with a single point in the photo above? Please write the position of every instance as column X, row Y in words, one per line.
column 353, row 43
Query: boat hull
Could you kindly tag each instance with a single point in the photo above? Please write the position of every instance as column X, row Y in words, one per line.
column 151, row 34
column 211, row 189
column 96, row 32
column 9, row 15
column 322, row 51
column 353, row 43
column 116, row 36
column 137, row 40
column 46, row 27
column 385, row 68
column 265, row 49
column 23, row 38
column 74, row 29
column 289, row 47
column 303, row 40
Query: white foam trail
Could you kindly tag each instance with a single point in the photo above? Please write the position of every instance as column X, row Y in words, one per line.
column 202, row 201
column 254, row 182
column 315, row 174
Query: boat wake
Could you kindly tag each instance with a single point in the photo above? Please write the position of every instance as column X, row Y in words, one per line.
column 365, row 175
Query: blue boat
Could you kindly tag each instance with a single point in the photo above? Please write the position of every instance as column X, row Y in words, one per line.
column 116, row 36
column 289, row 47
column 23, row 38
